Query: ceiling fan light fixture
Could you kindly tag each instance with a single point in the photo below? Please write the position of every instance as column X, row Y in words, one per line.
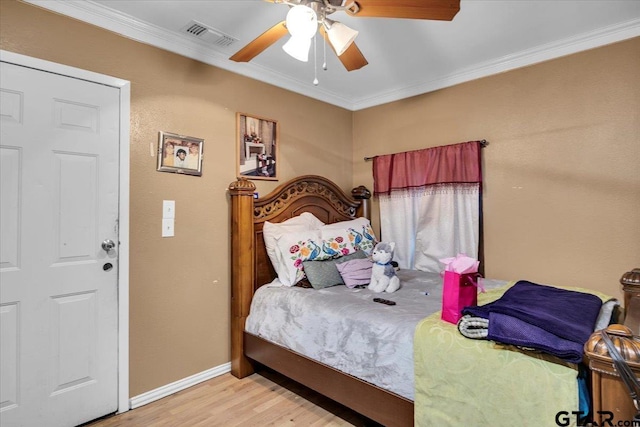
column 298, row 48
column 302, row 21
column 340, row 36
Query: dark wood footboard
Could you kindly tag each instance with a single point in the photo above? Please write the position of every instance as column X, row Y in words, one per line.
column 373, row 402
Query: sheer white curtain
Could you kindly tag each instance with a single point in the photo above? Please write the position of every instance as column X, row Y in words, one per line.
column 399, row 214
column 430, row 203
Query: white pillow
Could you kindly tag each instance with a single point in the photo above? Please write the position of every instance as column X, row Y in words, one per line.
column 271, row 232
column 353, row 235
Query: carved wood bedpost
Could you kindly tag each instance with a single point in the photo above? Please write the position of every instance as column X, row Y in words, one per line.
column 631, row 287
column 242, row 274
column 361, row 193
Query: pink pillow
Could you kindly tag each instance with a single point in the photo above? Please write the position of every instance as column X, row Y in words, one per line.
column 355, row 272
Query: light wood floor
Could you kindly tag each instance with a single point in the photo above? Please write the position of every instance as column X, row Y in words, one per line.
column 265, row 399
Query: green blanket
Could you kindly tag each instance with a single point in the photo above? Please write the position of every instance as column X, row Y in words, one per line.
column 465, row 382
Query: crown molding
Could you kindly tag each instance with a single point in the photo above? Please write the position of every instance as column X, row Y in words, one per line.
column 557, row 49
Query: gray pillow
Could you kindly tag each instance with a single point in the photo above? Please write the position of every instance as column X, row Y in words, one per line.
column 323, row 274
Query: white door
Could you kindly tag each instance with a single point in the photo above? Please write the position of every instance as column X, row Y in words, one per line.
column 58, row 287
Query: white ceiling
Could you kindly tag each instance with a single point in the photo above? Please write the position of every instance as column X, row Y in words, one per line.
column 406, row 57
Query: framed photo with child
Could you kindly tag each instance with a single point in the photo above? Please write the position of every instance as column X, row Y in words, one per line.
column 180, row 154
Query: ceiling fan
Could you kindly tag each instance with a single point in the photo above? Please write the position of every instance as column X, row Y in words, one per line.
column 306, row 17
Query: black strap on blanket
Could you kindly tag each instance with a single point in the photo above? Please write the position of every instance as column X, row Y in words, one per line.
column 625, row 372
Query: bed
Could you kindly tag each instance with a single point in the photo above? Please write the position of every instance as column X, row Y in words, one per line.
column 388, row 400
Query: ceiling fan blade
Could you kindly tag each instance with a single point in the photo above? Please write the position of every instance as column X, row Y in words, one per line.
column 352, row 58
column 262, row 42
column 441, row 10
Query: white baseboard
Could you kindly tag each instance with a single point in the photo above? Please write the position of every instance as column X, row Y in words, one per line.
column 174, row 387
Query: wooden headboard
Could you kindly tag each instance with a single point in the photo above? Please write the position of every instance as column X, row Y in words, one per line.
column 250, row 264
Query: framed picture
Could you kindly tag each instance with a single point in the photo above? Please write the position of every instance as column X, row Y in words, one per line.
column 257, row 147
column 180, row 154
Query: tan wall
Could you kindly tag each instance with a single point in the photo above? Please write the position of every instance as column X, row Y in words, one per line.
column 562, row 171
column 180, row 286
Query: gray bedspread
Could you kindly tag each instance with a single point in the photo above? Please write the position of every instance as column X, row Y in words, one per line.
column 345, row 329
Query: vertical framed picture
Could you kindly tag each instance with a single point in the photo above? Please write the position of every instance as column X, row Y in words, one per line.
column 257, row 147
column 180, row 154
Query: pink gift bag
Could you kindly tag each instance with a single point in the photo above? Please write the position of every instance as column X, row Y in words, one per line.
column 458, row 291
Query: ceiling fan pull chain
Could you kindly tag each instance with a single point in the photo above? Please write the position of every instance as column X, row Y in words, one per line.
column 315, row 62
column 324, row 47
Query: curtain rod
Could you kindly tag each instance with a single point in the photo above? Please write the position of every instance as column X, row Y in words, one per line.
column 483, row 144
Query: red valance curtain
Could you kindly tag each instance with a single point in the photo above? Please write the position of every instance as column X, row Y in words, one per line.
column 449, row 164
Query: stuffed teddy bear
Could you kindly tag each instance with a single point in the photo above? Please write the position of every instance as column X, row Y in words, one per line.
column 383, row 275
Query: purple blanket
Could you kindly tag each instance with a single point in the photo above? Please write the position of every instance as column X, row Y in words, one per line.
column 556, row 321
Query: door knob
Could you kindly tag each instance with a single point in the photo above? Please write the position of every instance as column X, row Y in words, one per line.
column 108, row 245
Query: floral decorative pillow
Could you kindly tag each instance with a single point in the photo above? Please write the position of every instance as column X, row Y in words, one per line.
column 293, row 248
column 272, row 232
column 357, row 233
column 335, row 246
column 363, row 239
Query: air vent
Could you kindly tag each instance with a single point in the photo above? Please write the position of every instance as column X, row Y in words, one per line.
column 208, row 34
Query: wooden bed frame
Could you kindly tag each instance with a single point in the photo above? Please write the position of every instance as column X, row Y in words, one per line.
column 251, row 268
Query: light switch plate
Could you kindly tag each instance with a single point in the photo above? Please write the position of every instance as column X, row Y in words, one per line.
column 168, row 209
column 168, row 227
